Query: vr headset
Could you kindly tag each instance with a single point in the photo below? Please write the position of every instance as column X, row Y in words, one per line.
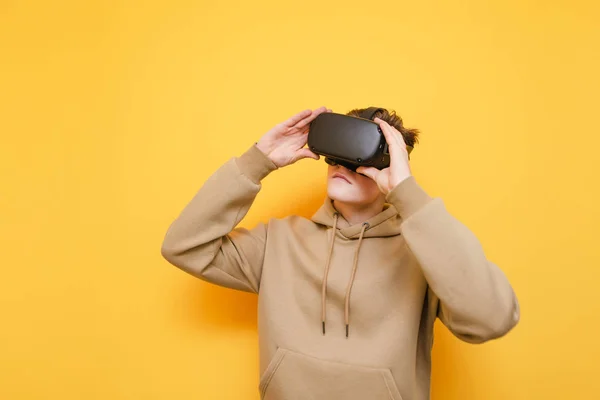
column 350, row 141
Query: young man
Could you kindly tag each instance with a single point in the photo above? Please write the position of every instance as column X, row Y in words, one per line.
column 347, row 299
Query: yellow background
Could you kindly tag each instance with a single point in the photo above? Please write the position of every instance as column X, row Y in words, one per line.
column 113, row 114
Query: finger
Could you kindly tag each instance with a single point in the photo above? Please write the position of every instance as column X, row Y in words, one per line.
column 293, row 120
column 393, row 138
column 392, row 144
column 371, row 172
column 306, row 121
column 397, row 135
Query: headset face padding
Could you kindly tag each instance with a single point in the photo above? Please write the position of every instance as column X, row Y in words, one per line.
column 331, row 161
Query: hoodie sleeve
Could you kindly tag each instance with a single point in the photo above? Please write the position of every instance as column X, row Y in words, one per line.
column 476, row 301
column 204, row 241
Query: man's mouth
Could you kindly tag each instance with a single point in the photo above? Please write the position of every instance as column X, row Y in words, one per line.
column 340, row 176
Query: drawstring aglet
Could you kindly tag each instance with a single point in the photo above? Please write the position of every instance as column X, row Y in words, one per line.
column 323, row 327
column 347, row 330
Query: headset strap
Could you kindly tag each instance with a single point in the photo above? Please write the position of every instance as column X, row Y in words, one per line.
column 368, row 113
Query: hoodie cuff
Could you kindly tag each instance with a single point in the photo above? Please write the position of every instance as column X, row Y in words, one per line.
column 255, row 164
column 408, row 197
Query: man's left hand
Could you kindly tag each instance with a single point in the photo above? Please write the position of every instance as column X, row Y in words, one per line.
column 399, row 169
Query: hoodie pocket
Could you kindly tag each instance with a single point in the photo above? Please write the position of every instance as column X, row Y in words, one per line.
column 294, row 376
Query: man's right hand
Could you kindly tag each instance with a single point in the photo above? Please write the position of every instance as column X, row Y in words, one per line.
column 284, row 143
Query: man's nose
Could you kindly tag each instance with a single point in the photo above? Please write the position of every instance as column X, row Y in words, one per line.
column 346, row 168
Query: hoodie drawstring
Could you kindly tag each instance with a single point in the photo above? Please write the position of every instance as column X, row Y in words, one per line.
column 324, row 288
column 347, row 303
column 326, row 273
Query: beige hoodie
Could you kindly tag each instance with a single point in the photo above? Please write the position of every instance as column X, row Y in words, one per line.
column 344, row 311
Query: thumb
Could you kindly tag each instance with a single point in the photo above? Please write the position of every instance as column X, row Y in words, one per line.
column 371, row 172
column 305, row 153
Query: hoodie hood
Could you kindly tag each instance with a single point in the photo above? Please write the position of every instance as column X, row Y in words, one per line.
column 384, row 224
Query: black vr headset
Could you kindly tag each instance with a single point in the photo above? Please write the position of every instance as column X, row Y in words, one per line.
column 350, row 141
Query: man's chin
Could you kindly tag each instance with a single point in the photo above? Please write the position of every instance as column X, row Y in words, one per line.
column 344, row 198
column 351, row 199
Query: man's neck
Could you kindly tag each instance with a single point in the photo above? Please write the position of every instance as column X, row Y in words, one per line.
column 358, row 214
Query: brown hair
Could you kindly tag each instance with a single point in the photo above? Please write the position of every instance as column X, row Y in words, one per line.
column 411, row 136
